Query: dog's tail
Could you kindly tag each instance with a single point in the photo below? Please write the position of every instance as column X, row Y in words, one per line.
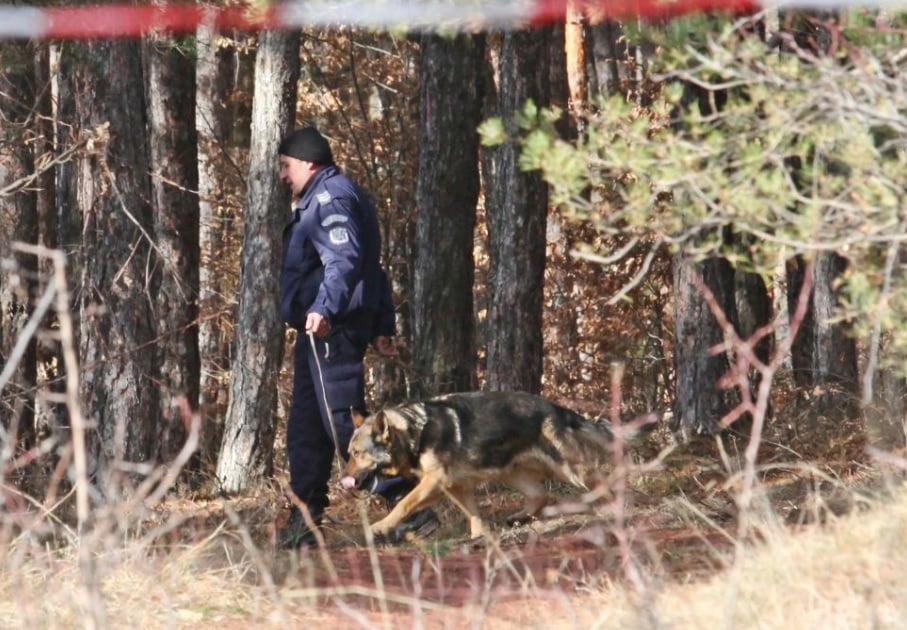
column 639, row 426
column 591, row 443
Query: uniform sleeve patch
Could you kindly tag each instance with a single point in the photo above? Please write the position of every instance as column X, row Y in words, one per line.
column 339, row 235
column 331, row 219
column 323, row 197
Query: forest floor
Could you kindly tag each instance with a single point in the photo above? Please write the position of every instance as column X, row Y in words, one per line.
column 678, row 522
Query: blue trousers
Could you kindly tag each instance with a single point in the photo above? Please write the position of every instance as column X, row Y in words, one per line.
column 324, row 392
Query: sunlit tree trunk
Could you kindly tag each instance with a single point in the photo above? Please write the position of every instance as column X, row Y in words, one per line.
column 446, row 198
column 576, row 46
column 248, row 445
column 118, row 284
column 215, row 62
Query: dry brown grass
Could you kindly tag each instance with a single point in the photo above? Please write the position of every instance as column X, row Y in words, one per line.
column 218, row 570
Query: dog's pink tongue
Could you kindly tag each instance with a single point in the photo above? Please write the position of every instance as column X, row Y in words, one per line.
column 348, row 483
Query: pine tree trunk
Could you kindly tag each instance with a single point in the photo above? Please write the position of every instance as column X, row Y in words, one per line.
column 576, row 47
column 517, row 207
column 247, row 451
column 699, row 405
column 447, row 194
column 172, row 140
column 47, row 418
column 608, row 62
column 824, row 354
column 18, row 223
column 67, row 224
column 118, row 283
column 213, row 122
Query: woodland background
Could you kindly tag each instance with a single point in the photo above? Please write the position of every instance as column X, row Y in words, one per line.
column 700, row 219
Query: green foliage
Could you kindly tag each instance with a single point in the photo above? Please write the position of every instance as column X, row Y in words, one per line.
column 796, row 154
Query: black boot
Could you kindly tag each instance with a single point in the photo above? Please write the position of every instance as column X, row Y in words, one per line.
column 420, row 524
column 296, row 533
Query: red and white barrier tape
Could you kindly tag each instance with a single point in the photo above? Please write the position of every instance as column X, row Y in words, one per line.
column 130, row 20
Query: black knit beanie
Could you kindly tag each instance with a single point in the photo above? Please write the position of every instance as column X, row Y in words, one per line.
column 307, row 144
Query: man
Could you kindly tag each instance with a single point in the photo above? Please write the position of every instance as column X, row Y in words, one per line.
column 333, row 288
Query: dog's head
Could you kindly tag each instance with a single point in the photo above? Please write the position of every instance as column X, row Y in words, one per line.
column 373, row 451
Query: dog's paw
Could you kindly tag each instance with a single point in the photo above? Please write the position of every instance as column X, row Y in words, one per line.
column 385, row 538
column 381, row 534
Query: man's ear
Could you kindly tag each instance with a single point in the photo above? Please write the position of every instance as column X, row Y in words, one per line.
column 358, row 417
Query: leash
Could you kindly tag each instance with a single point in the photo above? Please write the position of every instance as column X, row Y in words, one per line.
column 324, row 397
column 324, row 394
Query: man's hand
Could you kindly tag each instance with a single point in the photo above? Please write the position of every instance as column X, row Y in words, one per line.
column 317, row 324
column 385, row 346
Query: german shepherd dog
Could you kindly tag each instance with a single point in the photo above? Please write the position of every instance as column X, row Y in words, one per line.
column 454, row 443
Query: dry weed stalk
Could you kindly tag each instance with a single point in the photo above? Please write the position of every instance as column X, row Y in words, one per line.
column 738, row 376
column 99, row 529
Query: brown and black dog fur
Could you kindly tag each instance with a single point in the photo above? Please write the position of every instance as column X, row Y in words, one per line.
column 454, row 443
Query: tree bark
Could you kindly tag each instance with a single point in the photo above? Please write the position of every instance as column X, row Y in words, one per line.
column 824, row 354
column 576, row 47
column 247, row 451
column 215, row 63
column 446, row 196
column 118, row 282
column 699, row 405
column 517, row 203
column 48, row 417
column 172, row 140
column 18, row 223
column 608, row 62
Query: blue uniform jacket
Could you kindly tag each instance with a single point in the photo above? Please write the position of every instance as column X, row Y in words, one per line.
column 331, row 258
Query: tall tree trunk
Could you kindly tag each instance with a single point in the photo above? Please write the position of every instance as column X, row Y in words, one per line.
column 66, row 212
column 172, row 139
column 18, row 222
column 213, row 121
column 118, row 282
column 247, row 451
column 824, row 354
column 48, row 356
column 699, row 405
column 446, row 195
column 517, row 203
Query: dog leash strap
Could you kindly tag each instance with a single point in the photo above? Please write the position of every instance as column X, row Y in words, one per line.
column 324, row 397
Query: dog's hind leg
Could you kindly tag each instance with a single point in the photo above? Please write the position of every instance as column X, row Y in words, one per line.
column 530, row 484
column 465, row 499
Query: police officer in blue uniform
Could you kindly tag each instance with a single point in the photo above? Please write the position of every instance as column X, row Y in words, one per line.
column 334, row 289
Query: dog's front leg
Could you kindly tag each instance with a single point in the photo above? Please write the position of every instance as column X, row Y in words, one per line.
column 426, row 491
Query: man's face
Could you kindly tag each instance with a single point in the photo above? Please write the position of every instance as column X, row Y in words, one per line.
column 296, row 173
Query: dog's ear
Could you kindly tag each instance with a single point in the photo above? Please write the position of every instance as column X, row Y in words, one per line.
column 381, row 426
column 358, row 417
